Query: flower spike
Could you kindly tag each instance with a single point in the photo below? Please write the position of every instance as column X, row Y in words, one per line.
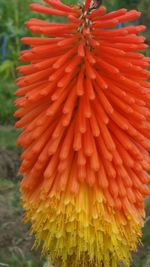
column 83, row 106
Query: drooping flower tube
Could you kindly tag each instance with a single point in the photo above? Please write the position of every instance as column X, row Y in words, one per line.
column 83, row 106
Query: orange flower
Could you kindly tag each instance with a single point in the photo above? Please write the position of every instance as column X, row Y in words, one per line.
column 83, row 105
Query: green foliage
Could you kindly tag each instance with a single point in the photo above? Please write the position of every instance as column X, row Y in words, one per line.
column 7, row 69
column 13, row 14
column 16, row 262
column 142, row 259
column 7, row 88
column 8, row 136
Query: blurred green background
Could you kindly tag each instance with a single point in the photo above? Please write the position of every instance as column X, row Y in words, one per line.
column 15, row 243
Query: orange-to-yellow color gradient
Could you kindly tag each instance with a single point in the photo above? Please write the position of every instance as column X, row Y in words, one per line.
column 83, row 106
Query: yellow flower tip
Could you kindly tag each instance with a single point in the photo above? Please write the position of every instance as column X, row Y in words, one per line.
column 80, row 230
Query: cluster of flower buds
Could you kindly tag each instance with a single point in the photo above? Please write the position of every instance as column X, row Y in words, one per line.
column 83, row 105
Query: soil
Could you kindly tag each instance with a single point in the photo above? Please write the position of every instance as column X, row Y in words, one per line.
column 15, row 241
column 9, row 164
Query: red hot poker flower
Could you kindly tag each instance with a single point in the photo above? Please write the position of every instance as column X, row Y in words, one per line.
column 83, row 105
